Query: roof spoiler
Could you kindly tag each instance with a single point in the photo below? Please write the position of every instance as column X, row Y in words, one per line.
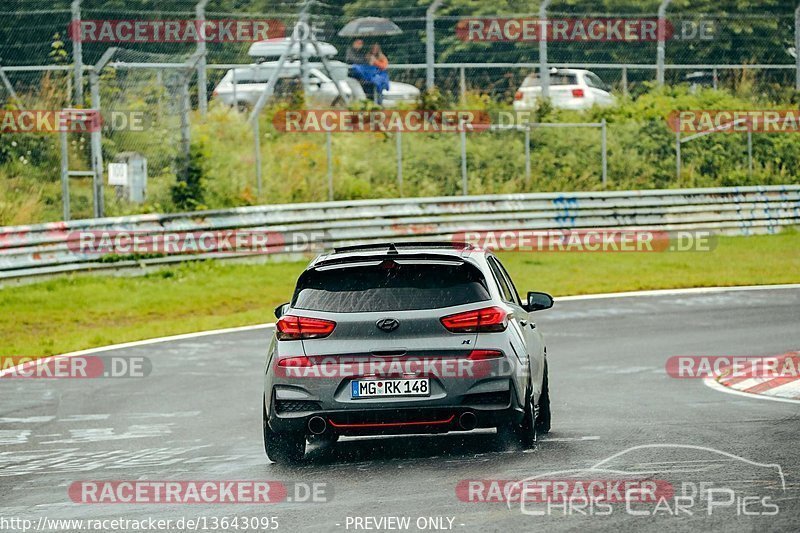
column 392, row 247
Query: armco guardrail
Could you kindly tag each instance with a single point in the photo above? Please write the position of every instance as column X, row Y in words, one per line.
column 51, row 248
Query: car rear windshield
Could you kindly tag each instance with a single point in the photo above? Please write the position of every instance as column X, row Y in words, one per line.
column 555, row 79
column 389, row 286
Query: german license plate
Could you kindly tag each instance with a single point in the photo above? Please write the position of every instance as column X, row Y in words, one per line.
column 377, row 388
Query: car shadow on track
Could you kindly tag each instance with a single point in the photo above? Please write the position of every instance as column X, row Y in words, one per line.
column 414, row 447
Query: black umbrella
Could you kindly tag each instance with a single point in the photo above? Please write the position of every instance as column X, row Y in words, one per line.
column 369, row 27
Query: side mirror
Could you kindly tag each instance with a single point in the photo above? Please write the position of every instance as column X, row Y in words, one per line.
column 539, row 300
column 281, row 309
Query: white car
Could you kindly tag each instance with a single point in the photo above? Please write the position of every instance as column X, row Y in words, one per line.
column 569, row 89
column 243, row 86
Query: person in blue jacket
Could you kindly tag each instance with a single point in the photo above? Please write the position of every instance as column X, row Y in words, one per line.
column 373, row 75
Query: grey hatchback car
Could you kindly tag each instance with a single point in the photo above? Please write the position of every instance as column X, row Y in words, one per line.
column 403, row 338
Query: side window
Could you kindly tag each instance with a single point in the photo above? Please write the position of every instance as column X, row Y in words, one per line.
column 505, row 291
column 593, row 81
column 510, row 282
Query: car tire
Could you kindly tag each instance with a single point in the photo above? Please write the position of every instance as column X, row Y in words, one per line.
column 543, row 415
column 524, row 432
column 283, row 448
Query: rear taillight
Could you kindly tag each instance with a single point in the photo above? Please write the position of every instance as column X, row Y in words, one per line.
column 577, row 93
column 518, row 95
column 295, row 362
column 292, row 328
column 483, row 355
column 480, row 321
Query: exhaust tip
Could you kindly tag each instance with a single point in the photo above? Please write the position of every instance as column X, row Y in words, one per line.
column 317, row 425
column 468, row 421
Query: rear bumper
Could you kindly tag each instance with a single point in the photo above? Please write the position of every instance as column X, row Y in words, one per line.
column 570, row 105
column 397, row 421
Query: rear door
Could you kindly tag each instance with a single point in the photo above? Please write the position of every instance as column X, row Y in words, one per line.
column 534, row 343
column 390, row 307
column 518, row 317
column 600, row 91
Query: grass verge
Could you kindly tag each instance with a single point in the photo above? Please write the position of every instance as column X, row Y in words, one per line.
column 78, row 312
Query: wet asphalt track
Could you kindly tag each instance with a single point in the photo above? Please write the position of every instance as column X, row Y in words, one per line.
column 197, row 416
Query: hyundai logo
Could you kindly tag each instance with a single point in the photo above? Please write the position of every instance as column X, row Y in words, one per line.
column 387, row 324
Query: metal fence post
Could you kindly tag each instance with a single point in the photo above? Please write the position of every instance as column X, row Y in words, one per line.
column 544, row 73
column 462, row 84
column 625, row 81
column 160, row 84
column 330, row 164
column 202, row 80
column 257, row 148
column 750, row 151
column 678, row 154
column 430, row 43
column 464, row 185
column 662, row 36
column 528, row 154
column 97, row 135
column 77, row 53
column 64, row 176
column 185, row 142
column 797, row 47
column 604, row 149
column 399, row 143
column 235, row 99
column 96, row 147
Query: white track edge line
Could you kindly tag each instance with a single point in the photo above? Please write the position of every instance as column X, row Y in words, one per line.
column 668, row 292
column 142, row 342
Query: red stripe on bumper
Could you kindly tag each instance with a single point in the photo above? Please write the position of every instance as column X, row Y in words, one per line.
column 393, row 424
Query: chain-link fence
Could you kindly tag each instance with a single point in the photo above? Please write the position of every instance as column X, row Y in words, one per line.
column 497, row 44
column 160, row 97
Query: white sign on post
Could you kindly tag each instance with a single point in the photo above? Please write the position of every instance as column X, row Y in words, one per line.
column 118, row 174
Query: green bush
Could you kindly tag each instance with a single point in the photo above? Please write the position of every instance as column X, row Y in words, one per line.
column 294, row 166
column 188, row 192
